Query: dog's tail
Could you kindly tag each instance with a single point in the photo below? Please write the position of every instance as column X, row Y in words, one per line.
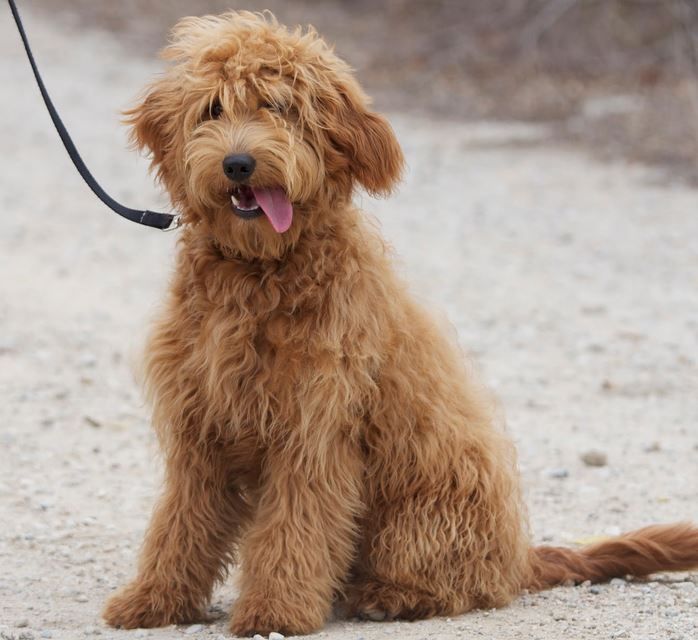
column 671, row 547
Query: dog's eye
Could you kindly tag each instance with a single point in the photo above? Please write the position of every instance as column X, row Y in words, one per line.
column 215, row 110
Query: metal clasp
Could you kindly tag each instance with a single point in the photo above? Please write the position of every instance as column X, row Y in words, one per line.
column 175, row 224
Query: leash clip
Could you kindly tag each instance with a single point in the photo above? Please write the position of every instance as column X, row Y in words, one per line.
column 175, row 224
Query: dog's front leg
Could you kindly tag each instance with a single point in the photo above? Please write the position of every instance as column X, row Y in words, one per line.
column 302, row 541
column 188, row 544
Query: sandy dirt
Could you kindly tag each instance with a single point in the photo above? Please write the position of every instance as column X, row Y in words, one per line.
column 573, row 284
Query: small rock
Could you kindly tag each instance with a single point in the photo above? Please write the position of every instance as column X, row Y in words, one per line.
column 195, row 628
column 594, row 458
column 45, row 633
column 275, row 635
column 22, row 623
column 595, row 590
column 82, row 598
column 557, row 473
column 653, row 447
column 617, row 582
column 593, row 309
column 93, row 422
column 256, row 636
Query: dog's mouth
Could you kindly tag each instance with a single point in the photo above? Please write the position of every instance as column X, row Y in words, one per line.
column 252, row 202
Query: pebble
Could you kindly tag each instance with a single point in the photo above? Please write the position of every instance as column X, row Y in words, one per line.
column 256, row 636
column 82, row 598
column 93, row 422
column 594, row 458
column 195, row 628
column 22, row 623
column 274, row 635
column 45, row 633
column 653, row 447
column 617, row 582
column 557, row 473
column 595, row 590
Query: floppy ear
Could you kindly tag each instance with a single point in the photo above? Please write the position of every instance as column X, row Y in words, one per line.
column 153, row 121
column 365, row 140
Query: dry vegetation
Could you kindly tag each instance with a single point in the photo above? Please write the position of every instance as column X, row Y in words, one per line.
column 618, row 75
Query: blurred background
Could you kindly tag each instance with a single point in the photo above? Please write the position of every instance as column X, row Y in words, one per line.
column 618, row 76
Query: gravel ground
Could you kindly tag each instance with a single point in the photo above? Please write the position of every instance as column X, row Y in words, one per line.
column 572, row 283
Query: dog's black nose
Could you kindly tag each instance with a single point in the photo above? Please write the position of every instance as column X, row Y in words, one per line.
column 239, row 166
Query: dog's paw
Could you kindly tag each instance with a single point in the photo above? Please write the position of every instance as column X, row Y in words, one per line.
column 139, row 605
column 261, row 615
column 382, row 602
column 373, row 615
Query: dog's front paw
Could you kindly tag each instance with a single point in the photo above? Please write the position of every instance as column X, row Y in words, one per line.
column 139, row 605
column 257, row 614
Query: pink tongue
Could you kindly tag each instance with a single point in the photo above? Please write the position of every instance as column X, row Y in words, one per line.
column 274, row 202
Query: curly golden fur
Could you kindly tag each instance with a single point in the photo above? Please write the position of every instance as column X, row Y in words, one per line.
column 316, row 425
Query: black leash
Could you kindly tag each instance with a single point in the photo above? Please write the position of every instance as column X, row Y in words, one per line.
column 164, row 221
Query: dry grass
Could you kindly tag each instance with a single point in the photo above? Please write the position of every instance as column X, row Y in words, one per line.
column 617, row 75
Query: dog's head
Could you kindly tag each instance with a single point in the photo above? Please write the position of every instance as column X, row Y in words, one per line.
column 259, row 132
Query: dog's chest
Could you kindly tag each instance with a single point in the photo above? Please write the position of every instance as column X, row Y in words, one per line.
column 255, row 352
column 248, row 356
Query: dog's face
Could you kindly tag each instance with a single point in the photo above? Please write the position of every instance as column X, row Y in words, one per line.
column 259, row 133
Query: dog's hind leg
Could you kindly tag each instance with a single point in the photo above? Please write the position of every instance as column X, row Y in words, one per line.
column 188, row 545
column 408, row 566
column 298, row 550
column 440, row 539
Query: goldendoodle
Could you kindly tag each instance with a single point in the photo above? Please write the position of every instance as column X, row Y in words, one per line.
column 317, row 426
